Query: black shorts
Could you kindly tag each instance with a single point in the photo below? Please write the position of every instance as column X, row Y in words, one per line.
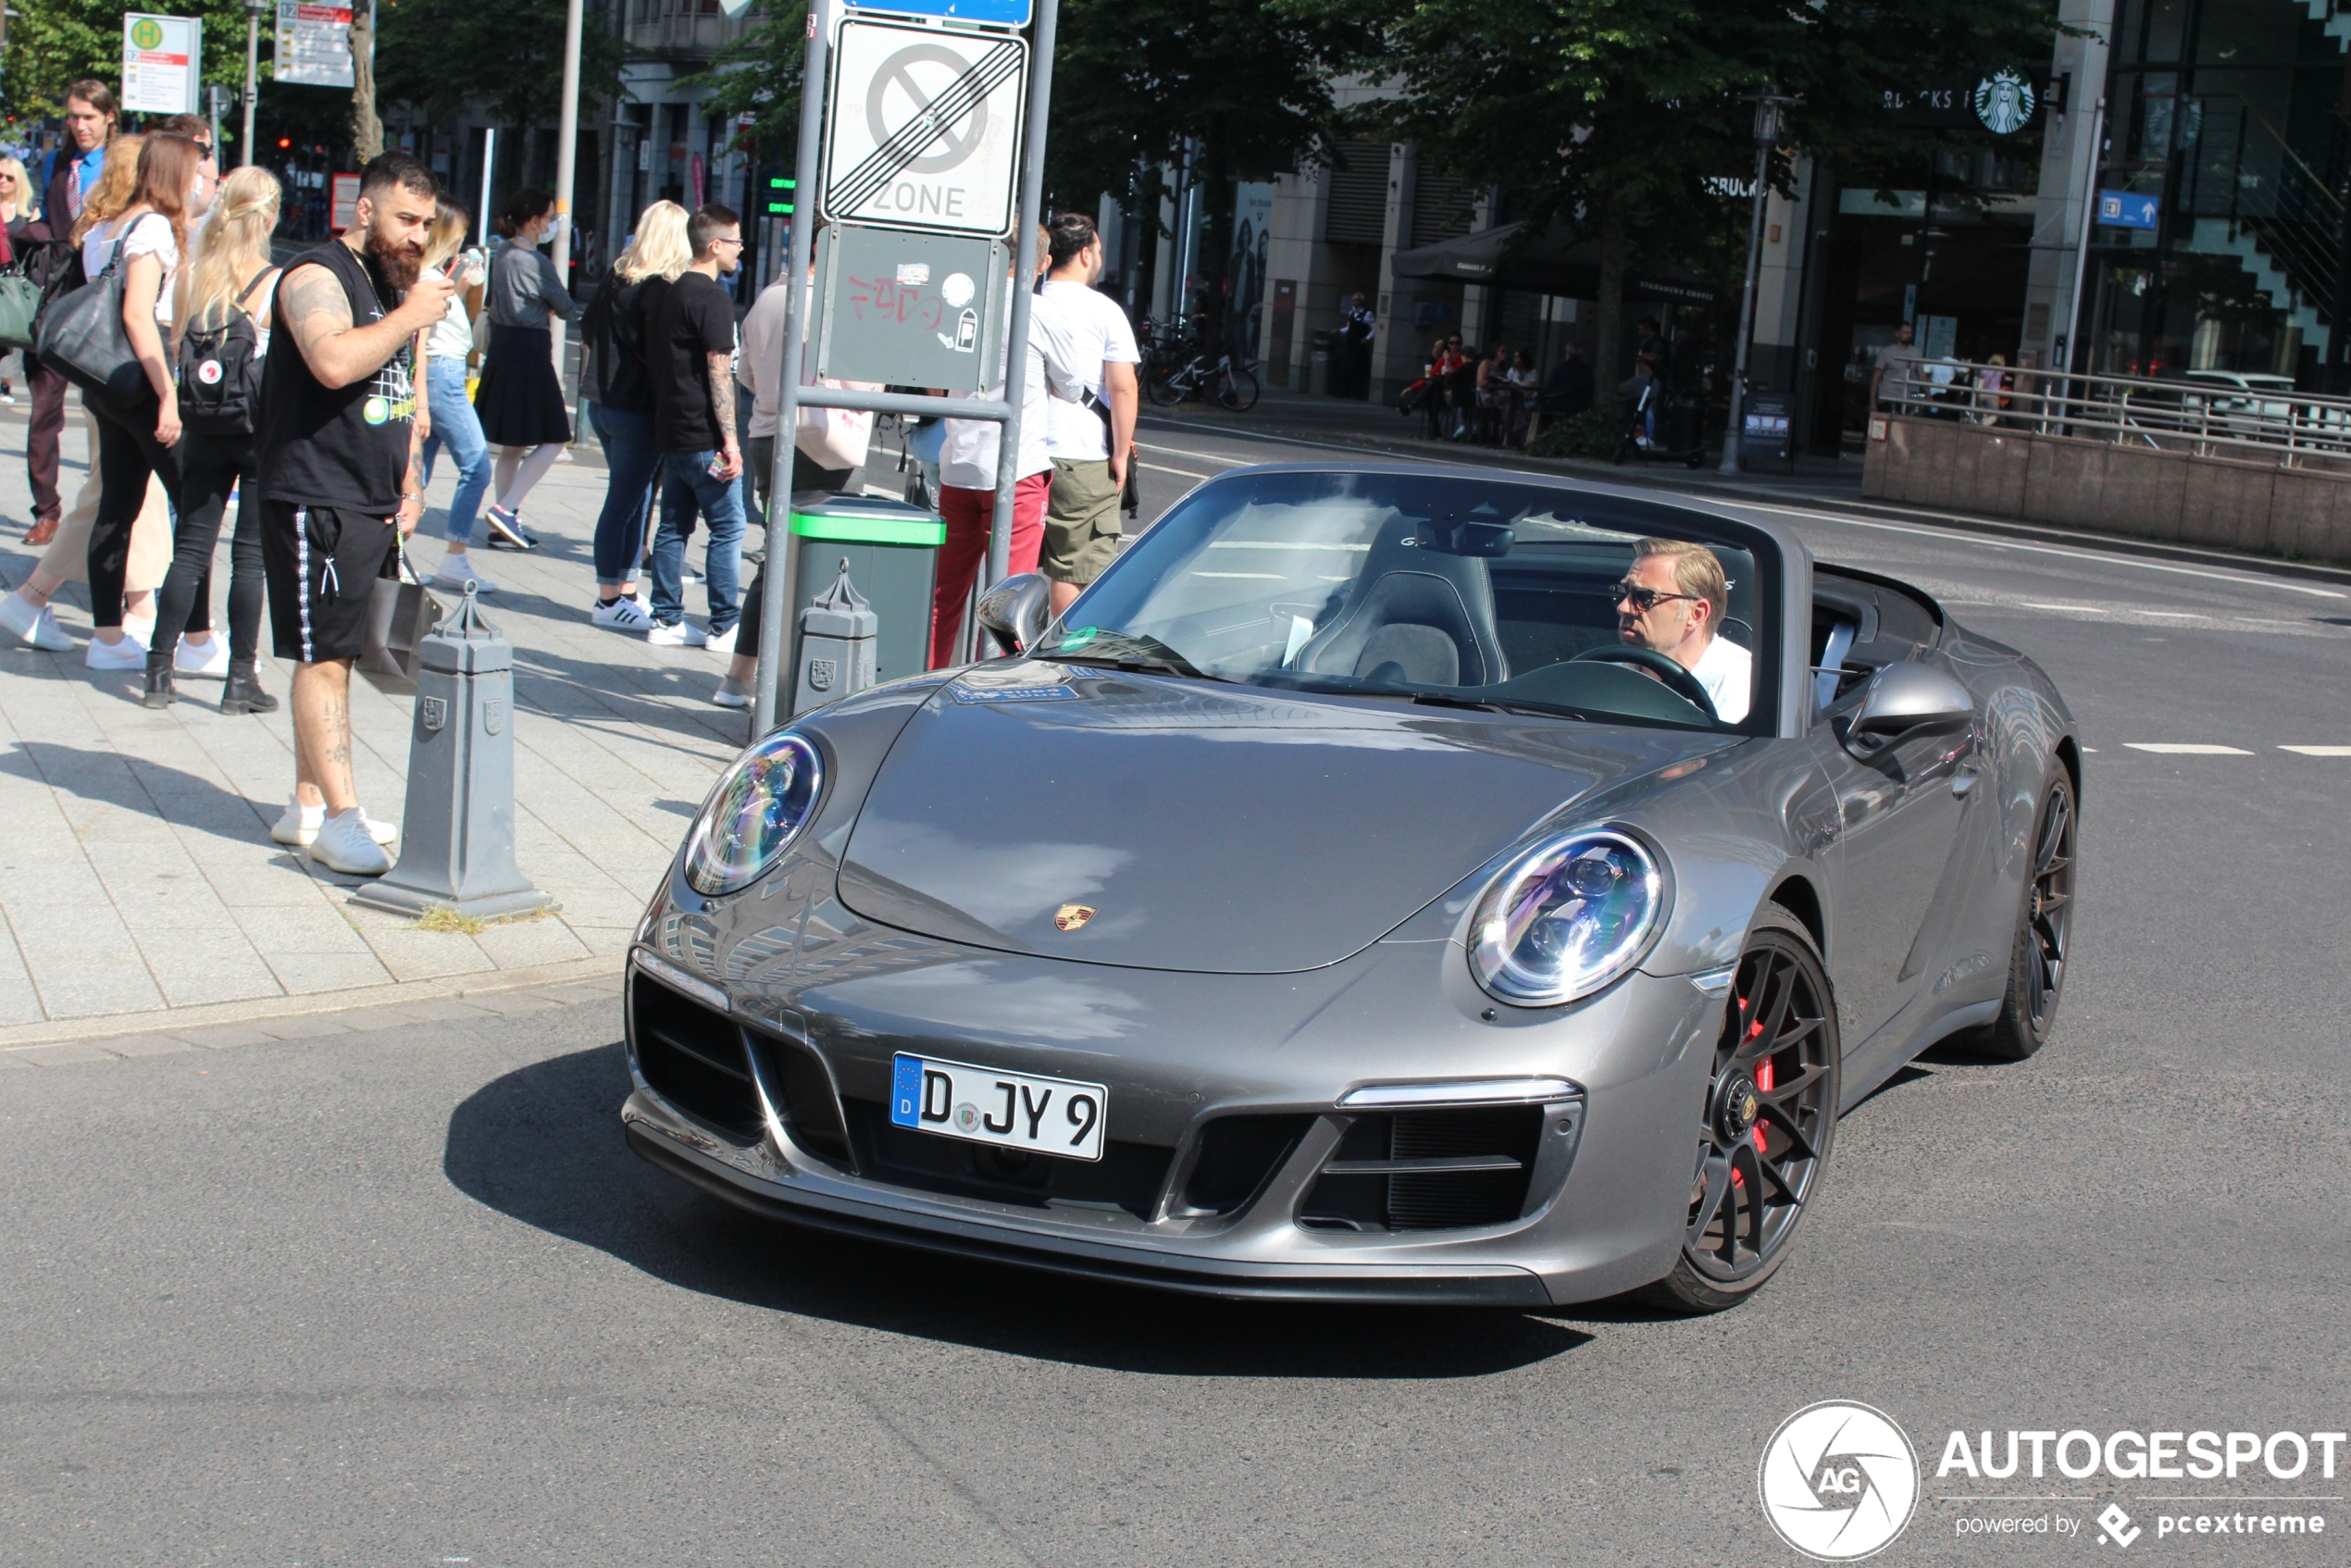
column 322, row 562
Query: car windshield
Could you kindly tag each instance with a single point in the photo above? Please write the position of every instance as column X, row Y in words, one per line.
column 1433, row 589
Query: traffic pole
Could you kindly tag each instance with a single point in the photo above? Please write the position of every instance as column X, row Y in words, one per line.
column 1768, row 105
column 1032, row 201
column 566, row 160
column 254, row 10
column 782, row 585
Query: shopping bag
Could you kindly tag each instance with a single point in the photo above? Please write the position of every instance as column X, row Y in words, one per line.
column 400, row 613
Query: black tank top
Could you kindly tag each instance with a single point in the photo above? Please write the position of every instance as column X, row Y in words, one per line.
column 334, row 446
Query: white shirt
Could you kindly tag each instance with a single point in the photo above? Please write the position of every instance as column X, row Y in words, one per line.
column 151, row 236
column 1727, row 671
column 967, row 459
column 1082, row 328
column 452, row 335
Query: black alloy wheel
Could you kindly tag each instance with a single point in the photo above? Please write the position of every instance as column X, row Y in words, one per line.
column 2045, row 929
column 1770, row 1116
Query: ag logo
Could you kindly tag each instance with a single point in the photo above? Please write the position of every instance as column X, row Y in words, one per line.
column 208, row 372
column 1838, row 1481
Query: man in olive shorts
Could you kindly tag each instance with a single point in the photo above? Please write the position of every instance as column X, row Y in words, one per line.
column 1086, row 334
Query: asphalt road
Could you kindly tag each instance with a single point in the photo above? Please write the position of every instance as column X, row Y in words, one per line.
column 405, row 1299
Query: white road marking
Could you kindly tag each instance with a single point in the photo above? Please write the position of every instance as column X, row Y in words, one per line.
column 2319, row 751
column 1195, row 457
column 1163, row 468
column 2042, row 605
column 2170, row 749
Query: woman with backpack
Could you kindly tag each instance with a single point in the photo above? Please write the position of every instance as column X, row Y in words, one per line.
column 224, row 333
column 621, row 405
column 521, row 400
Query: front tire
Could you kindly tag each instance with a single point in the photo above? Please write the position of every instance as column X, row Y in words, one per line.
column 2043, row 930
column 1766, row 1125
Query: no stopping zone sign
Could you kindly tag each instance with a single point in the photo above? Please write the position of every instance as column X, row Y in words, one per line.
column 925, row 129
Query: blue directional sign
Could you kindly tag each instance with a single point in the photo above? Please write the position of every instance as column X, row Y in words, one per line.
column 2125, row 209
column 987, row 13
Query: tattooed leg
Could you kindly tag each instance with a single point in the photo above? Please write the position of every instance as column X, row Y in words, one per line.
column 322, row 732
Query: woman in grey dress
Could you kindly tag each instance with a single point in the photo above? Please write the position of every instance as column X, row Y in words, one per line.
column 520, row 400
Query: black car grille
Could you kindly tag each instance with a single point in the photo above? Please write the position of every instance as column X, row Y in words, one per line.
column 1128, row 1176
column 1428, row 1170
column 693, row 1058
column 1237, row 1156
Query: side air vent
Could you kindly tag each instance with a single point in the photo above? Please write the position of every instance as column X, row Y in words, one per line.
column 1428, row 1170
column 694, row 1057
column 796, row 1079
column 1237, row 1156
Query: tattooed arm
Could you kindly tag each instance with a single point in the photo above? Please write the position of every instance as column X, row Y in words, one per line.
column 412, row 479
column 721, row 370
column 316, row 314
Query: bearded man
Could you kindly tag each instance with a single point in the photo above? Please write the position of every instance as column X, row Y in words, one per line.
column 339, row 443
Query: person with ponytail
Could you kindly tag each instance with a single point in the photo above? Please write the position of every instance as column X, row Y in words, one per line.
column 520, row 400
column 231, row 277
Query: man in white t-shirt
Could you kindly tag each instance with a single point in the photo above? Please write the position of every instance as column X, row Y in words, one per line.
column 1671, row 602
column 1086, row 332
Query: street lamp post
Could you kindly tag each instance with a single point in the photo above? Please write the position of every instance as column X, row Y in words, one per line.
column 254, row 10
column 1769, row 106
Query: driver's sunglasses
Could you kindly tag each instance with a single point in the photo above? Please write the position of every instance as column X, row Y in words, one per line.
column 1647, row 599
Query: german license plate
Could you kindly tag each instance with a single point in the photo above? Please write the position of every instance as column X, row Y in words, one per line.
column 1009, row 1110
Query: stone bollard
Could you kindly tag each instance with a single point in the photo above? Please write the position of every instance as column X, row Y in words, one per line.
column 837, row 634
column 457, row 829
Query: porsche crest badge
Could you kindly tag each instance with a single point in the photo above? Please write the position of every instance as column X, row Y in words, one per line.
column 1070, row 916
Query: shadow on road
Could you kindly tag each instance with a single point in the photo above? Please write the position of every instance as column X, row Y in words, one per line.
column 543, row 1145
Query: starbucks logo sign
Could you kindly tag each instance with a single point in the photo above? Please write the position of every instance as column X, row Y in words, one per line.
column 2005, row 102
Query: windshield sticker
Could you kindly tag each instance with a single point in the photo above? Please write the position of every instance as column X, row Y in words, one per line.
column 1078, row 639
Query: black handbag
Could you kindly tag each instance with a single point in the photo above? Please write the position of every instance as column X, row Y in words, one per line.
column 82, row 339
column 400, row 613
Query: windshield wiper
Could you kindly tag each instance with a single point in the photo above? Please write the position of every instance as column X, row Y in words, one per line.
column 1177, row 666
column 1487, row 704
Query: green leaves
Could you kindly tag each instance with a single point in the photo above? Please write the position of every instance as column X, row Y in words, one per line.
column 53, row 44
column 440, row 56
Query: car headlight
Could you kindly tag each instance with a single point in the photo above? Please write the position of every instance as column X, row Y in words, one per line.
column 1566, row 919
column 759, row 807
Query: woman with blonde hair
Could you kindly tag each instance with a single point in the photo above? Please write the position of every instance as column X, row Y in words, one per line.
column 25, row 615
column 19, row 209
column 450, row 416
column 233, row 277
column 621, row 404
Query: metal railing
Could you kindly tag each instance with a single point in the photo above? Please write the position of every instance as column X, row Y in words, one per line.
column 2202, row 417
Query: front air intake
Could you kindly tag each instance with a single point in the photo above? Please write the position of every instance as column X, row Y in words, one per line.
column 692, row 1056
column 1428, row 1170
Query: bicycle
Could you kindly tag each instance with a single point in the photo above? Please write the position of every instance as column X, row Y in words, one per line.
column 1235, row 384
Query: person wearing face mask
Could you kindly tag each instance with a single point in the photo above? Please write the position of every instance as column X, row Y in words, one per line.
column 520, row 400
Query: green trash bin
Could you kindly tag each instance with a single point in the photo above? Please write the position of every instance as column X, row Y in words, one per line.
column 893, row 551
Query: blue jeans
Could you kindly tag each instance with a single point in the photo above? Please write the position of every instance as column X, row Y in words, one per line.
column 686, row 487
column 453, row 422
column 632, row 462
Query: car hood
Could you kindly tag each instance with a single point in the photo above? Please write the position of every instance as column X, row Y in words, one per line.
column 1221, row 828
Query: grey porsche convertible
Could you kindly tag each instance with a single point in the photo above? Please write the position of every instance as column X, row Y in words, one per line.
column 1398, row 884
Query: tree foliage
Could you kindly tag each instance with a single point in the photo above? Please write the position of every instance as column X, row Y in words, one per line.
column 53, row 44
column 759, row 74
column 445, row 57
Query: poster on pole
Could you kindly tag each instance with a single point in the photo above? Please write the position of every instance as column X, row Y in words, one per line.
column 162, row 59
column 313, row 43
column 925, row 129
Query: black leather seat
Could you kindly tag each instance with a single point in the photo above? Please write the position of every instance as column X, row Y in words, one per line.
column 1416, row 616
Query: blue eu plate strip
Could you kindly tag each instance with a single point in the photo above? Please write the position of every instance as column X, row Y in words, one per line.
column 906, row 1090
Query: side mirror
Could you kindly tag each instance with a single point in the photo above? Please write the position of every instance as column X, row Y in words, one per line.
column 1907, row 699
column 1015, row 611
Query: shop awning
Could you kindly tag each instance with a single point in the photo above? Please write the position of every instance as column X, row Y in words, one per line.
column 1551, row 262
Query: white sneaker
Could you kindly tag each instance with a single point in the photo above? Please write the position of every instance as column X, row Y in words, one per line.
column 298, row 826
column 621, row 615
column 732, row 693
column 454, row 581
column 208, row 658
column 127, row 653
column 345, row 843
column 35, row 629
column 678, row 634
column 724, row 641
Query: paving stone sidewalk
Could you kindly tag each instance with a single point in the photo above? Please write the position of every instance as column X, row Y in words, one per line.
column 138, row 881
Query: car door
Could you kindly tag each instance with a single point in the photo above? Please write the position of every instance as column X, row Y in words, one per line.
column 1899, row 813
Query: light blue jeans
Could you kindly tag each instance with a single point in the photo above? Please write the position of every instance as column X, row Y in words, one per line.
column 453, row 422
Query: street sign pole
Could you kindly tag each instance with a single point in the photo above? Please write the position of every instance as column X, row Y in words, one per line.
column 254, row 10
column 1032, row 188
column 566, row 170
column 781, row 592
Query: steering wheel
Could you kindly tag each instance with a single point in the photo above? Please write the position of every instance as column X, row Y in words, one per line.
column 1669, row 672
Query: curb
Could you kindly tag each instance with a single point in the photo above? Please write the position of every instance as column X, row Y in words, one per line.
column 221, row 1024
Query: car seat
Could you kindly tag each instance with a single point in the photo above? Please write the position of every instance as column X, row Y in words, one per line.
column 1417, row 615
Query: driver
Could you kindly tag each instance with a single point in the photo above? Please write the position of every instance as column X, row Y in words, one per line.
column 1671, row 602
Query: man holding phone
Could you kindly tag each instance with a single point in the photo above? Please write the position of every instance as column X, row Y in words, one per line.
column 690, row 359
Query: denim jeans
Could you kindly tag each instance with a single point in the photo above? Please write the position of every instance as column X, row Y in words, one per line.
column 687, row 488
column 453, row 423
column 632, row 462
